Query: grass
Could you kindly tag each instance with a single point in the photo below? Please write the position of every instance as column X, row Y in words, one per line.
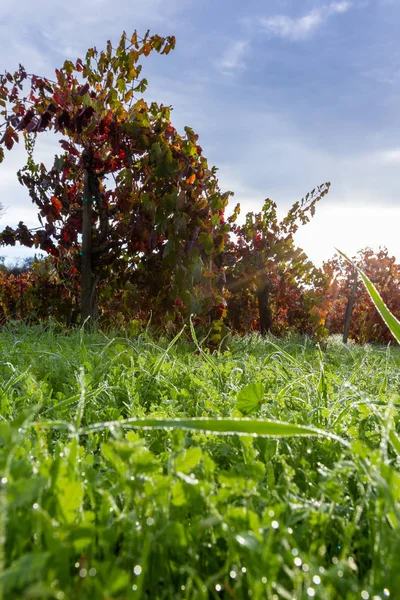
column 102, row 496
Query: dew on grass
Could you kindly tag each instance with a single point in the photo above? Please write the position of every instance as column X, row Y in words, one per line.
column 232, row 574
column 134, row 587
column 290, row 530
column 271, row 513
column 183, row 588
column 137, row 569
column 150, row 521
column 4, row 480
column 295, row 551
column 274, row 524
column 35, row 506
column 82, row 573
column 340, row 573
column 298, row 562
column 77, row 565
column 335, row 560
column 218, row 587
column 386, row 592
column 244, row 570
column 305, row 568
column 310, row 592
column 364, row 595
column 92, row 572
column 264, row 580
column 316, row 579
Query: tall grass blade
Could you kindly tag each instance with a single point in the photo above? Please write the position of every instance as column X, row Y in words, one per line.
column 252, row 427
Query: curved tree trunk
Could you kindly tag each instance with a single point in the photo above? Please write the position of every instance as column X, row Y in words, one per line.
column 264, row 308
column 88, row 279
column 349, row 308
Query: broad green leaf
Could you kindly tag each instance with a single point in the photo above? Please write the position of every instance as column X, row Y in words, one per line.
column 70, row 497
column 387, row 316
column 250, row 398
column 189, row 459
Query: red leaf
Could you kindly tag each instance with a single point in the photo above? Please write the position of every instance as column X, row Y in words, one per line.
column 56, row 203
column 10, row 136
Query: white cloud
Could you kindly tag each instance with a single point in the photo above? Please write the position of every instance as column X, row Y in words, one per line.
column 302, row 28
column 349, row 229
column 232, row 58
column 388, row 157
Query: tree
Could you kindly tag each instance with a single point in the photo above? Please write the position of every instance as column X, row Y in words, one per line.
column 345, row 296
column 264, row 262
column 128, row 189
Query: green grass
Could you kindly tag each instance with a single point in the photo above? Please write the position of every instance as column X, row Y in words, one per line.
column 103, row 496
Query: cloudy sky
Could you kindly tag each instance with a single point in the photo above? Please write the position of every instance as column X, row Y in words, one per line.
column 285, row 94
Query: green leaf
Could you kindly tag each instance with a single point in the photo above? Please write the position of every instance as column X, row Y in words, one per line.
column 249, row 398
column 387, row 316
column 70, row 497
column 189, row 459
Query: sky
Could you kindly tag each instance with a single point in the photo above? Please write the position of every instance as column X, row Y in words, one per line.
column 284, row 94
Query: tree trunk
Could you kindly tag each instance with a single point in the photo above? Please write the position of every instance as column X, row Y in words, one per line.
column 264, row 308
column 88, row 280
column 349, row 308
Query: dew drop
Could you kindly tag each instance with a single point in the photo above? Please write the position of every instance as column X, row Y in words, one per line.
column 134, row 587
column 244, row 569
column 386, row 592
column 218, row 587
column 150, row 521
column 232, row 574
column 316, row 579
column 77, row 565
column 82, row 573
column 264, row 579
column 364, row 595
column 340, row 573
column 310, row 592
column 35, row 506
column 92, row 572
column 137, row 569
column 4, row 480
column 305, row 568
column 298, row 562
column 274, row 524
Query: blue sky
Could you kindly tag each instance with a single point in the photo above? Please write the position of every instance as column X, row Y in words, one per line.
column 284, row 94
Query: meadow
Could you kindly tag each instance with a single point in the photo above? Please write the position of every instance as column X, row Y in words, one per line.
column 95, row 505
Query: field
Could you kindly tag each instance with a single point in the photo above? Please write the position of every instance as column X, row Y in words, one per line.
column 95, row 507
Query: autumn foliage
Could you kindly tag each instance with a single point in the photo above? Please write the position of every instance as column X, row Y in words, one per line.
column 134, row 222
